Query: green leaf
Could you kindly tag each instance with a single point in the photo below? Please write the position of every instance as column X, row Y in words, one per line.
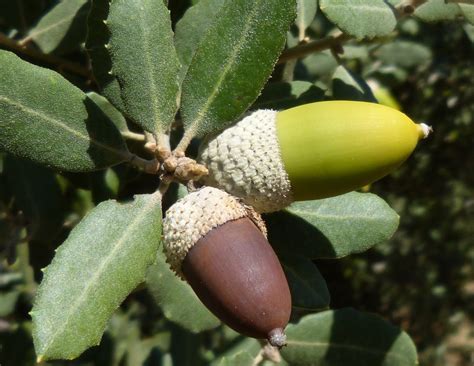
column 104, row 258
column 8, row 301
column 62, row 29
column 242, row 359
column 349, row 86
column 404, row 53
column 284, row 95
column 249, row 346
column 468, row 11
column 316, row 67
column 110, row 111
column 177, row 299
column 332, row 227
column 437, row 10
column 98, row 37
column 306, row 11
column 144, row 61
column 347, row 337
column 469, row 29
column 233, row 62
column 191, row 29
column 308, row 288
column 360, row 18
column 48, row 120
column 38, row 196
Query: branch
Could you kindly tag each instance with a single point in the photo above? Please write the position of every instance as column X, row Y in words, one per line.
column 59, row 63
column 314, row 46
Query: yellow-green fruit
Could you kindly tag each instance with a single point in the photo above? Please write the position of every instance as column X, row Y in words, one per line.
column 312, row 151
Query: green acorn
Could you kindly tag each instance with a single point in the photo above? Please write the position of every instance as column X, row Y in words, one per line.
column 317, row 150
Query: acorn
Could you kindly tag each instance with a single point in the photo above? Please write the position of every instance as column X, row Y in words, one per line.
column 313, row 151
column 219, row 246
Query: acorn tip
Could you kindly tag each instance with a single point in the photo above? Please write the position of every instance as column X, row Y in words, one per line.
column 424, row 130
column 277, row 338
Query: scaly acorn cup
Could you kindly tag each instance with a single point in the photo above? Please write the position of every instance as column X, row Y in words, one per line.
column 219, row 246
column 313, row 151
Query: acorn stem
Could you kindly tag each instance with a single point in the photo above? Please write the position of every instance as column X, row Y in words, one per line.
column 277, row 337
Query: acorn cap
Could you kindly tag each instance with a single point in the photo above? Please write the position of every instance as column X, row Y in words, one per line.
column 245, row 160
column 195, row 215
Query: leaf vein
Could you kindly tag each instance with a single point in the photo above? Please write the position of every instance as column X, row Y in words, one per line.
column 60, row 124
column 93, row 279
column 193, row 128
column 345, row 346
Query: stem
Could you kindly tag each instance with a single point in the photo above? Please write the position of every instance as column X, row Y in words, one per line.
column 60, row 63
column 149, row 137
column 149, row 166
column 314, row 46
column 258, row 358
column 129, row 135
column 24, row 41
column 23, row 253
column 164, row 141
column 163, row 187
column 184, row 143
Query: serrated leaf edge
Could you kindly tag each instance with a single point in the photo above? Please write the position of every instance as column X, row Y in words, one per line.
column 154, row 199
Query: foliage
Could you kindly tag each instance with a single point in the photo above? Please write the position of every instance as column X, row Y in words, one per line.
column 80, row 194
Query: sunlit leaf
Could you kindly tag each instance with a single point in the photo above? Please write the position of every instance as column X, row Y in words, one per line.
column 360, row 18
column 347, row 337
column 46, row 119
column 63, row 28
column 144, row 61
column 104, row 258
column 233, row 62
column 332, row 227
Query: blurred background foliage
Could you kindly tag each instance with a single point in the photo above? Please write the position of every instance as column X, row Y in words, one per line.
column 422, row 279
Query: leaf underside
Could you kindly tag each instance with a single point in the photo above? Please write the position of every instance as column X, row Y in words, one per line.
column 177, row 299
column 360, row 18
column 144, row 61
column 104, row 258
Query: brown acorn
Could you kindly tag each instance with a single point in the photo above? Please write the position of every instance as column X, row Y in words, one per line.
column 219, row 246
